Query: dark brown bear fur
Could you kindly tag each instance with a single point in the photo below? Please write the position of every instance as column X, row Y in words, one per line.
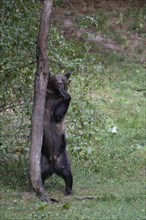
column 54, row 157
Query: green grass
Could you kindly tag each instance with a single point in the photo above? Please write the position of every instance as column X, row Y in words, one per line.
column 116, row 178
column 110, row 167
column 114, row 199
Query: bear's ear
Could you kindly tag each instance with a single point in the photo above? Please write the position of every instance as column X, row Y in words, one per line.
column 67, row 75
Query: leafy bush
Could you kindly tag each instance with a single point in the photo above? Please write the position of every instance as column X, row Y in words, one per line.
column 17, row 75
column 91, row 21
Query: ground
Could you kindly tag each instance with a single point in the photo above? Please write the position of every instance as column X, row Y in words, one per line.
column 121, row 25
column 117, row 183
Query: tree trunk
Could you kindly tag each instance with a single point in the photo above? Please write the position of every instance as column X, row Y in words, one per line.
column 41, row 80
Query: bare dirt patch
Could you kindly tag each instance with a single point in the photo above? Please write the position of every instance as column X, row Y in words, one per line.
column 121, row 31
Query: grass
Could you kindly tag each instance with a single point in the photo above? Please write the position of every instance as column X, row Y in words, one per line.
column 107, row 166
column 117, row 181
column 115, row 199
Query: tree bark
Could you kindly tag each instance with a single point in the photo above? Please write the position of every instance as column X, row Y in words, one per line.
column 41, row 80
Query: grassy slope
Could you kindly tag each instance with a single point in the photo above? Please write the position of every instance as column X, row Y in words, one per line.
column 119, row 195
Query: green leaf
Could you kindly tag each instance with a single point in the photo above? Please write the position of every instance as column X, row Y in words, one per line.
column 66, row 206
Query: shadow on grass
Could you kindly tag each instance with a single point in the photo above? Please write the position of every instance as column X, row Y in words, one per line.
column 14, row 174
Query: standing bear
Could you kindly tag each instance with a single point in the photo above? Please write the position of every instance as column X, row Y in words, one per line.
column 54, row 158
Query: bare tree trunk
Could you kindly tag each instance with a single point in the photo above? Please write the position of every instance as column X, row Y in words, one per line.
column 41, row 80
